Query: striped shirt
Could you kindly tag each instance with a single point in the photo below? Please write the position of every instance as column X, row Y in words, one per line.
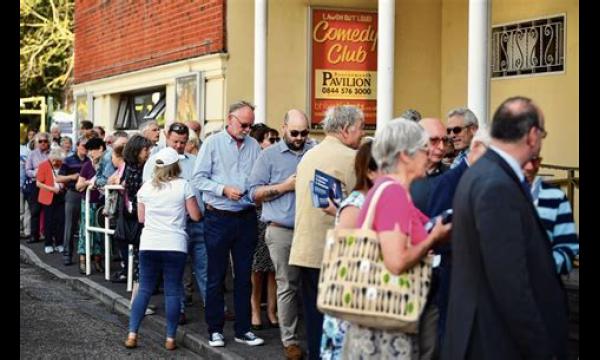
column 556, row 215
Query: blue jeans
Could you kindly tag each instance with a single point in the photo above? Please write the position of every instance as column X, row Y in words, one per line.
column 238, row 235
column 152, row 264
column 197, row 251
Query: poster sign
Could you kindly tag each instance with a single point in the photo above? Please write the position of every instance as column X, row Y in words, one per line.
column 187, row 95
column 343, row 69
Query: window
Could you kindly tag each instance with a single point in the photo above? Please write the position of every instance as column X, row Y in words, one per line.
column 135, row 109
column 528, row 47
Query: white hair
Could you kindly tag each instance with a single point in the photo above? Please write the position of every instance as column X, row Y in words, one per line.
column 483, row 136
column 146, row 125
column 339, row 117
column 397, row 136
column 56, row 154
column 467, row 115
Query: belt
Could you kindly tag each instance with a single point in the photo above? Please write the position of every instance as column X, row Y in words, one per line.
column 229, row 213
column 271, row 223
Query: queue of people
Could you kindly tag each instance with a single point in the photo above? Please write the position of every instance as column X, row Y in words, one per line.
column 243, row 198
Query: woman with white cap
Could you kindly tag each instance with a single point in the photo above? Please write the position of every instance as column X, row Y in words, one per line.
column 162, row 206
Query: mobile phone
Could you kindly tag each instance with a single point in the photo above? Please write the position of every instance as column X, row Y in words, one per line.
column 446, row 216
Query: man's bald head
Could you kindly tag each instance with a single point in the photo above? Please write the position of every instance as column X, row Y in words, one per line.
column 514, row 119
column 295, row 129
column 437, row 137
column 195, row 126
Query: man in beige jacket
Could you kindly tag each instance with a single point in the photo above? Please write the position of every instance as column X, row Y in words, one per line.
column 343, row 126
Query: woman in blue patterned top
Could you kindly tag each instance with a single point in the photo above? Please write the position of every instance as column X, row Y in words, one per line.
column 366, row 171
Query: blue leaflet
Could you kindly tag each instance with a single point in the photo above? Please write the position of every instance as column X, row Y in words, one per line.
column 325, row 187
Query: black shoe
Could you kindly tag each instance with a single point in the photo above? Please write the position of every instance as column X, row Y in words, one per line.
column 119, row 278
column 182, row 319
column 32, row 241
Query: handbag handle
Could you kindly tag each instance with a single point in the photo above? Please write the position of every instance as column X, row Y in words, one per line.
column 370, row 217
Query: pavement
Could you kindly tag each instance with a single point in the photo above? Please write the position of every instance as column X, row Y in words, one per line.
column 193, row 335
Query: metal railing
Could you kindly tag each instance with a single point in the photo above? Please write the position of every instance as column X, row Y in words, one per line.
column 570, row 182
column 107, row 231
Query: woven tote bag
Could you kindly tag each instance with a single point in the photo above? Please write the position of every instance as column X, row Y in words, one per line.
column 355, row 285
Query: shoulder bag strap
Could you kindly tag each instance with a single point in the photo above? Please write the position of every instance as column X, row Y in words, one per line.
column 370, row 217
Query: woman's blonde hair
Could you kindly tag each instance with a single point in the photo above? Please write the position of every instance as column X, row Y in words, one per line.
column 164, row 174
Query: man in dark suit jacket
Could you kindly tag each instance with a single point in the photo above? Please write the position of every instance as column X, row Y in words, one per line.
column 506, row 300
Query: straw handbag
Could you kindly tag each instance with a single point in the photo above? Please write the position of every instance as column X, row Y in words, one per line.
column 355, row 285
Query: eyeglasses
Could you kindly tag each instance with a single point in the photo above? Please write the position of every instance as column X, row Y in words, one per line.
column 457, row 129
column 42, row 141
column 273, row 140
column 242, row 125
column 543, row 132
column 295, row 133
column 437, row 139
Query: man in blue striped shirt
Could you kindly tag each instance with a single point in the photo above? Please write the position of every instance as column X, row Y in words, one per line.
column 555, row 211
column 222, row 168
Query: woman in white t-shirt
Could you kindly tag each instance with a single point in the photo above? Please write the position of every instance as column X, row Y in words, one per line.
column 162, row 206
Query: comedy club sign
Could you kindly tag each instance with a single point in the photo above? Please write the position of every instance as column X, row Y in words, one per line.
column 343, row 62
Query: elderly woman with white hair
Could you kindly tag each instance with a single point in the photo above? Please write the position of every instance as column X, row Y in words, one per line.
column 52, row 199
column 400, row 150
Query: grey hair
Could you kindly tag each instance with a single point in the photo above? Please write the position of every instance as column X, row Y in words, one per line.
column 39, row 135
column 411, row 114
column 146, row 125
column 341, row 116
column 56, row 154
column 468, row 115
column 193, row 139
column 240, row 104
column 397, row 136
column 54, row 126
column 483, row 136
column 65, row 139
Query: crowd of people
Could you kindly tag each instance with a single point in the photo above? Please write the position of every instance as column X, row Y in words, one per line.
column 242, row 198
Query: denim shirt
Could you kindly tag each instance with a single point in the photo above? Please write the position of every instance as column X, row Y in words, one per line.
column 274, row 165
column 221, row 163
column 105, row 169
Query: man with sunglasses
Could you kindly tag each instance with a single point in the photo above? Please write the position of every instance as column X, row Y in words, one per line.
column 222, row 168
column 272, row 182
column 462, row 125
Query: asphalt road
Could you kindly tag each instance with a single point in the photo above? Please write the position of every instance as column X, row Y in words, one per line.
column 60, row 323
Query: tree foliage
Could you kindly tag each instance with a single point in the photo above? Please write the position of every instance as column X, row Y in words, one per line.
column 46, row 41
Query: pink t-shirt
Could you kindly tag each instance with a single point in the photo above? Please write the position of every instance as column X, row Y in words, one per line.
column 395, row 208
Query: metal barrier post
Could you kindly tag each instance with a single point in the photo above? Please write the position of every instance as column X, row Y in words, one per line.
column 88, row 256
column 106, row 239
column 130, row 268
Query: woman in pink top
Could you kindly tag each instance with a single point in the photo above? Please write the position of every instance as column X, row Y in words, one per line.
column 400, row 150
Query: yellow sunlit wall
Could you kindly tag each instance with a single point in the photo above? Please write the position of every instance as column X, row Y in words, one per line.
column 417, row 58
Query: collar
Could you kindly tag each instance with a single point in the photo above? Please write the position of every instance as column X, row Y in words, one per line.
column 512, row 162
column 536, row 185
column 282, row 146
column 232, row 138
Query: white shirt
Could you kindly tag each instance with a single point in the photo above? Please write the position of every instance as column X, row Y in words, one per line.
column 165, row 215
column 512, row 162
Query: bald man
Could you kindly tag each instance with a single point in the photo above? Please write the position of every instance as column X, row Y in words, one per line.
column 272, row 182
column 195, row 126
column 421, row 188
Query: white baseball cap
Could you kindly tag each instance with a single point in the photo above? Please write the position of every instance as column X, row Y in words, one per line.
column 166, row 156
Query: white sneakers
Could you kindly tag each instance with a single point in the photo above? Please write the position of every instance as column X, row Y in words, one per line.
column 48, row 249
column 59, row 249
column 216, row 340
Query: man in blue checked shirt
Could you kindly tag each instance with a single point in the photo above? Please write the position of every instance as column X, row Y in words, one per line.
column 555, row 212
column 221, row 171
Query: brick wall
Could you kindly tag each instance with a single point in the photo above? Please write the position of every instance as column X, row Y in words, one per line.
column 118, row 36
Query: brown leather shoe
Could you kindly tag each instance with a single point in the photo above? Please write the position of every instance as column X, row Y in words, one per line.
column 170, row 344
column 131, row 342
column 293, row 352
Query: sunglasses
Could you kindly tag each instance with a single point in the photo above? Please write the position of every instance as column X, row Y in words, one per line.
column 273, row 140
column 179, row 129
column 295, row 133
column 42, row 141
column 457, row 129
column 242, row 125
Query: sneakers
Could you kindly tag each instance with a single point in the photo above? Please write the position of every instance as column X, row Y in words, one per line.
column 216, row 339
column 48, row 249
column 250, row 339
column 59, row 249
column 150, row 311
